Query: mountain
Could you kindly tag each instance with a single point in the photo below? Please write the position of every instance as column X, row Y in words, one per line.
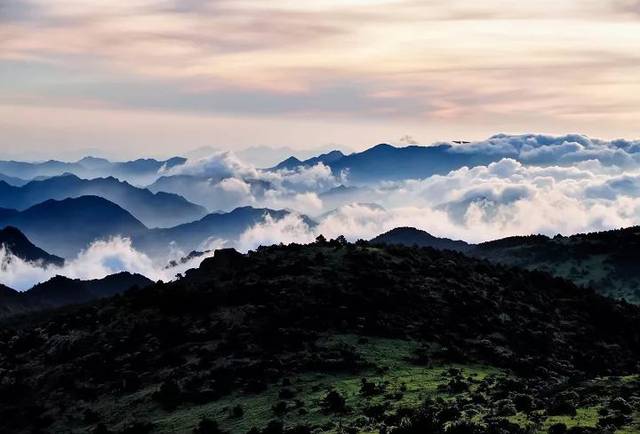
column 290, row 163
column 407, row 236
column 222, row 226
column 208, row 191
column 11, row 180
column 65, row 227
column 62, row 291
column 153, row 209
column 11, row 303
column 606, row 261
column 326, row 159
column 19, row 245
column 141, row 171
column 387, row 162
column 330, row 337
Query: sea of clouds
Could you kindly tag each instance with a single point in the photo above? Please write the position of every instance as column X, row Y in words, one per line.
column 535, row 184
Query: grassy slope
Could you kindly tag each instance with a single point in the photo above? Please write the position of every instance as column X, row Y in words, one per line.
column 406, row 385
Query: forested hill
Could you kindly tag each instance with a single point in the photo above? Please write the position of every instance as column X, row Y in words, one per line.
column 328, row 337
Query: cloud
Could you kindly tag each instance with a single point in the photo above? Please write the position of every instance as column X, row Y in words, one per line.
column 501, row 199
column 538, row 149
column 504, row 198
column 218, row 165
column 100, row 259
column 289, row 229
column 222, row 181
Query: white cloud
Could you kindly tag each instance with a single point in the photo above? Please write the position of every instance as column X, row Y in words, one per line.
column 289, row 229
column 100, row 259
column 221, row 181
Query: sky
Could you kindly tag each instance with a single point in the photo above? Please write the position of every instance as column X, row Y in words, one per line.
column 160, row 77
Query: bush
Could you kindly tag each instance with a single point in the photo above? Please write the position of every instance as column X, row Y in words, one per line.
column 560, row 407
column 207, row 426
column 138, row 428
column 368, row 388
column 523, row 402
column 557, row 428
column 619, row 404
column 334, row 402
column 505, row 407
column 464, row 427
column 286, row 393
column 168, row 395
column 273, row 427
column 237, row 411
column 280, row 408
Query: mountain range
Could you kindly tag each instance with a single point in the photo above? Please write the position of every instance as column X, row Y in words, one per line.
column 222, row 226
column 141, row 171
column 61, row 291
column 66, row 227
column 17, row 244
column 153, row 209
column 387, row 162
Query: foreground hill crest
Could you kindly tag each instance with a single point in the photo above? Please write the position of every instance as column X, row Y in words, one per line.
column 299, row 323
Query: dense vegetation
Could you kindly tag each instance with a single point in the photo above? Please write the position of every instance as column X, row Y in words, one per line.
column 330, row 337
column 606, row 261
column 61, row 291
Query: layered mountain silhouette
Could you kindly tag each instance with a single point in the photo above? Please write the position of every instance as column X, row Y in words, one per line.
column 326, row 159
column 204, row 190
column 153, row 209
column 17, row 244
column 329, row 337
column 62, row 291
column 90, row 167
column 11, row 180
column 65, row 227
column 387, row 162
column 221, row 226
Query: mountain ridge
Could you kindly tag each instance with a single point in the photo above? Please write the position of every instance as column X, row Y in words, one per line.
column 62, row 291
column 158, row 209
column 16, row 243
column 65, row 227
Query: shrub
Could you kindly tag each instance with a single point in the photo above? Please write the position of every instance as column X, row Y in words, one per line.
column 619, row 404
column 557, row 428
column 168, row 395
column 237, row 411
column 523, row 402
column 286, row 393
column 334, row 402
column 280, row 408
column 207, row 426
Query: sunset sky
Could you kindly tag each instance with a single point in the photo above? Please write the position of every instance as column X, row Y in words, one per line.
column 144, row 77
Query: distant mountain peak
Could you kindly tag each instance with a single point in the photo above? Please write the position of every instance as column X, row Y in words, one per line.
column 290, row 163
column 19, row 245
column 382, row 147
